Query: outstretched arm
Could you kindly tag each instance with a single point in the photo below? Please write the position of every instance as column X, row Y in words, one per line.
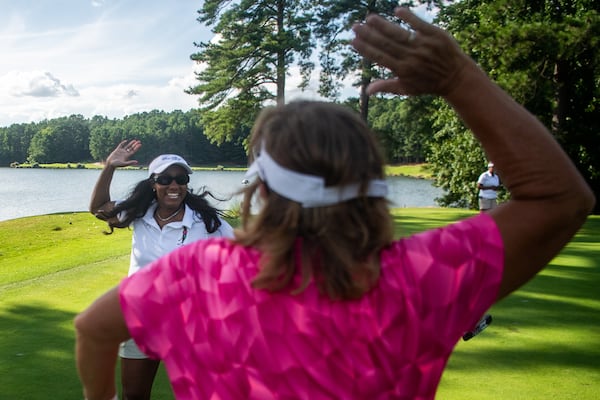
column 99, row 329
column 119, row 157
column 549, row 198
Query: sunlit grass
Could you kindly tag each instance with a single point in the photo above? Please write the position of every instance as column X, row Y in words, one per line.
column 97, row 165
column 411, row 170
column 544, row 342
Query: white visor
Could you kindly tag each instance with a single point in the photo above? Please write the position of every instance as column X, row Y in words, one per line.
column 308, row 190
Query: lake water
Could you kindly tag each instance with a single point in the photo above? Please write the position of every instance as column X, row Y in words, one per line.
column 26, row 192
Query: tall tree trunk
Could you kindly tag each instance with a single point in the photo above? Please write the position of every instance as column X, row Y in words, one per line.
column 562, row 97
column 365, row 79
column 366, row 71
column 280, row 55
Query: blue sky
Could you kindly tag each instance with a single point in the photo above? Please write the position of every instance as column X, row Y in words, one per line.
column 96, row 57
column 101, row 57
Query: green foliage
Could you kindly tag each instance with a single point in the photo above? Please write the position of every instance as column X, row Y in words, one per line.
column 453, row 157
column 403, row 126
column 61, row 140
column 333, row 24
column 456, row 160
column 246, row 66
column 544, row 54
column 77, row 140
column 332, row 27
column 104, row 135
column 231, row 123
column 14, row 143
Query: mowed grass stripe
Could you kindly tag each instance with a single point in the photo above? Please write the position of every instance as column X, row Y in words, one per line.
column 544, row 341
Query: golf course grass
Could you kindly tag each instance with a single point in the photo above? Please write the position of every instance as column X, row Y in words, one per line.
column 419, row 170
column 544, row 342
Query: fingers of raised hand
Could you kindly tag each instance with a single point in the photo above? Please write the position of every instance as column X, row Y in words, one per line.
column 424, row 59
column 130, row 147
column 382, row 41
column 412, row 20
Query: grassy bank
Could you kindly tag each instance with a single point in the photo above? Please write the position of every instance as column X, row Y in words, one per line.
column 97, row 165
column 411, row 170
column 544, row 342
column 421, row 171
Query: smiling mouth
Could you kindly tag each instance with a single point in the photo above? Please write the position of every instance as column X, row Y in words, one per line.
column 173, row 195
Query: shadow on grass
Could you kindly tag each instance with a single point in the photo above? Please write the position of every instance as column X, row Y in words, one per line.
column 418, row 220
column 552, row 324
column 553, row 321
column 37, row 354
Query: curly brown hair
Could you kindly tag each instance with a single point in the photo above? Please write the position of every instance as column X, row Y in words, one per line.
column 338, row 245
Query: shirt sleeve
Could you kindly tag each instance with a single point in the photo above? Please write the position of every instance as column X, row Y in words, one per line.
column 150, row 300
column 156, row 300
column 480, row 179
column 449, row 276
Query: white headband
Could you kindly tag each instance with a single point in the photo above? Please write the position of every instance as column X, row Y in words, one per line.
column 308, row 190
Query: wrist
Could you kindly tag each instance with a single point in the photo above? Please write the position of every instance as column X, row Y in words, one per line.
column 465, row 79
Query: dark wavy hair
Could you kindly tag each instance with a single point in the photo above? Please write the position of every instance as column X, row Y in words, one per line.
column 143, row 195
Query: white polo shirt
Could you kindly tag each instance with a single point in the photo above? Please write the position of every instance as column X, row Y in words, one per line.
column 487, row 179
column 149, row 242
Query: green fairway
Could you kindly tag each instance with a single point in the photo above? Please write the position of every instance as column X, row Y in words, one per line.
column 412, row 170
column 544, row 342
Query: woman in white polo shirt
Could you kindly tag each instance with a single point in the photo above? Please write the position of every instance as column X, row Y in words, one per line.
column 164, row 215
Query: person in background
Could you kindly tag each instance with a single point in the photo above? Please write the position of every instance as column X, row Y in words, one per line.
column 165, row 215
column 314, row 298
column 488, row 185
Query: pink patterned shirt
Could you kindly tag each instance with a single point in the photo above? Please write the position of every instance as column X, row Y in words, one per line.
column 221, row 339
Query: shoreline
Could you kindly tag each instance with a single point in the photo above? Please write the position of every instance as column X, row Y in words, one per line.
column 417, row 171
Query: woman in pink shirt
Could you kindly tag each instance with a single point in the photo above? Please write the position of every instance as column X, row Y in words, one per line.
column 313, row 299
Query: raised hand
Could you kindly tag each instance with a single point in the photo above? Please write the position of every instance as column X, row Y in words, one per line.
column 425, row 58
column 120, row 156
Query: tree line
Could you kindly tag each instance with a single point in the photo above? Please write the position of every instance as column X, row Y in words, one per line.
column 542, row 52
column 75, row 139
column 545, row 54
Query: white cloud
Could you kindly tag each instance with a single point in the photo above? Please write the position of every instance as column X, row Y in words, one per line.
column 35, row 84
column 115, row 101
column 102, row 57
column 98, row 3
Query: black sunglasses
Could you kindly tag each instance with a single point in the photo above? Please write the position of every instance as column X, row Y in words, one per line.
column 166, row 180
